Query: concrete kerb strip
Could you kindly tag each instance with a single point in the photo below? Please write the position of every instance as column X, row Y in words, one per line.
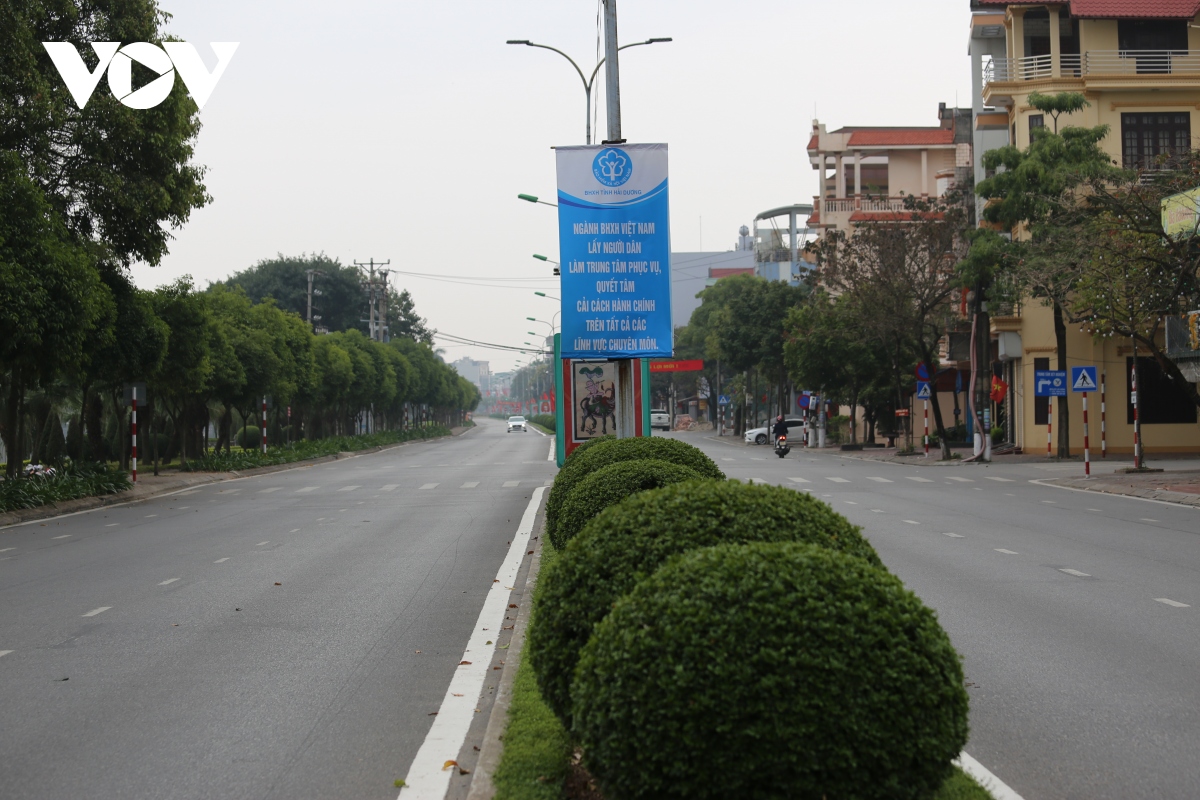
column 1145, row 495
column 82, row 505
column 492, row 749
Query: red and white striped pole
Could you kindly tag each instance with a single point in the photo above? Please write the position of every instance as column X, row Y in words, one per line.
column 264, row 425
column 1087, row 456
column 133, row 433
column 1049, row 424
column 1137, row 428
column 926, row 403
column 1103, row 436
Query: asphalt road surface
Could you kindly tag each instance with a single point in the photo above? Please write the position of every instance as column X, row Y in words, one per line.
column 1077, row 613
column 146, row 651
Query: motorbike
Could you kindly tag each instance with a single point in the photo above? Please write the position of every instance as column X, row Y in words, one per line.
column 782, row 448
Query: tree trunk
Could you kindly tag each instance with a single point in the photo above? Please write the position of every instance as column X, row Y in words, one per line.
column 1064, row 411
column 94, row 428
column 11, row 429
column 853, row 417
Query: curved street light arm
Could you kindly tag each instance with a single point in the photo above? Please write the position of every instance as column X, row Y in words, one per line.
column 527, row 43
column 622, row 47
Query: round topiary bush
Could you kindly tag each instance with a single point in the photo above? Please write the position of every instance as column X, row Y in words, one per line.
column 627, row 542
column 767, row 671
column 248, row 436
column 608, row 437
column 610, row 451
column 610, row 485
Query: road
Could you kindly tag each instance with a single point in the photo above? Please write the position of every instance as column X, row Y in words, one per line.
column 1077, row 613
column 282, row 636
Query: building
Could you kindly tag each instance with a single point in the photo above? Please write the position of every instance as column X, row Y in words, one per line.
column 1138, row 65
column 477, row 372
column 691, row 272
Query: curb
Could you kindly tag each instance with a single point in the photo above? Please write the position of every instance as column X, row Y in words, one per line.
column 10, row 519
column 1160, row 495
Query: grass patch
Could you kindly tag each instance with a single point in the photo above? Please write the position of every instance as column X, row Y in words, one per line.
column 71, row 482
column 961, row 786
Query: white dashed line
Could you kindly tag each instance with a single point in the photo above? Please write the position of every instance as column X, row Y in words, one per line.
column 183, row 508
column 260, row 544
column 4, row 653
column 96, row 611
column 1002, row 480
column 1051, row 502
column 1163, row 600
column 912, row 522
column 879, row 480
column 918, row 480
column 960, row 480
column 168, row 581
column 469, row 485
column 1098, row 511
column 952, row 535
column 5, row 550
column 391, row 487
column 838, row 480
column 148, row 516
column 851, row 503
column 1147, row 519
column 349, row 488
column 294, row 530
column 728, row 459
column 219, row 560
column 269, row 490
column 430, row 486
column 307, row 489
column 111, row 525
column 511, row 484
column 877, row 510
column 1007, row 552
column 799, row 480
column 64, row 536
column 1076, row 573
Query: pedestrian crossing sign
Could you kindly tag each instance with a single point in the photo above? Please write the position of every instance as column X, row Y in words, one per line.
column 923, row 392
column 1083, row 379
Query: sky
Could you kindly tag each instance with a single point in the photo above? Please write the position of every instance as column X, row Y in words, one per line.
column 404, row 130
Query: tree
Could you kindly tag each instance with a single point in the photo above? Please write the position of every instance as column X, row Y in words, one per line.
column 341, row 304
column 403, row 319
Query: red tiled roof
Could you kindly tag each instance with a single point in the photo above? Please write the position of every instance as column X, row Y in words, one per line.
column 725, row 272
column 882, row 137
column 812, row 143
column 1123, row 9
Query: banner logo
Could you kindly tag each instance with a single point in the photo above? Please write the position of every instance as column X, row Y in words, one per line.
column 164, row 60
column 612, row 167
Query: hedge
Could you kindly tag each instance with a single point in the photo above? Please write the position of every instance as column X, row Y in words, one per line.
column 767, row 671
column 610, row 451
column 610, row 485
column 608, row 437
column 629, row 541
column 547, row 421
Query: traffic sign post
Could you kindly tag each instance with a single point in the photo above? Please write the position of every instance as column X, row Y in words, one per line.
column 1103, row 436
column 923, row 394
column 722, row 399
column 1049, row 383
column 1083, row 380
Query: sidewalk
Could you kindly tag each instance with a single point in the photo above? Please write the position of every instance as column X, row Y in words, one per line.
column 150, row 485
column 1171, row 486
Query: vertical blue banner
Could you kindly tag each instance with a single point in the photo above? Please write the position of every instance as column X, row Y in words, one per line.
column 615, row 251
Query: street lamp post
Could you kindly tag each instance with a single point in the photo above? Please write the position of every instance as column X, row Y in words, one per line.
column 587, row 82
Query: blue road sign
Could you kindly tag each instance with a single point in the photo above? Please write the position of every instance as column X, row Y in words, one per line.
column 722, row 399
column 1050, row 383
column 923, row 392
column 922, row 371
column 1083, row 379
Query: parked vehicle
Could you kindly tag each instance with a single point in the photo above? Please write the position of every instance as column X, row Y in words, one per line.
column 659, row 418
column 763, row 435
column 517, row 423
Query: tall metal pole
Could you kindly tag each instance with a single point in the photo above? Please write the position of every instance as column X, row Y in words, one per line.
column 612, row 76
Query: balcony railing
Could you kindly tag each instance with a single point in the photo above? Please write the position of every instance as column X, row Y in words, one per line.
column 1094, row 63
column 875, row 205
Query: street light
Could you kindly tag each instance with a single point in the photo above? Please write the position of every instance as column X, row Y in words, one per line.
column 532, row 198
column 547, row 296
column 557, row 266
column 587, row 82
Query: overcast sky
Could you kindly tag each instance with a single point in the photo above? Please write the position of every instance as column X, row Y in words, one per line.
column 404, row 130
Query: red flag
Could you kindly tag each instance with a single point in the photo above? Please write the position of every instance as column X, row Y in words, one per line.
column 999, row 390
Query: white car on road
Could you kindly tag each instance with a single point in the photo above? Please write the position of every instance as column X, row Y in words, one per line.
column 763, row 435
column 517, row 424
column 659, row 418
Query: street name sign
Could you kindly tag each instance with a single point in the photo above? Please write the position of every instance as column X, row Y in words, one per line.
column 1050, row 383
column 615, row 251
column 1083, row 379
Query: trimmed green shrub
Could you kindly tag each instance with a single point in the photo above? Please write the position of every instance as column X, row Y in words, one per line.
column 767, row 671
column 547, row 421
column 583, row 463
column 610, row 485
column 248, row 436
column 627, row 542
column 608, row 437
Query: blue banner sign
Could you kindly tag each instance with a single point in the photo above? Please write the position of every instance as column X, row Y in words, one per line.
column 615, row 244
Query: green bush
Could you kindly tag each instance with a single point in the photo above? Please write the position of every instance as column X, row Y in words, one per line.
column 627, row 542
column 766, row 671
column 71, row 482
column 610, row 485
column 248, row 436
column 547, row 421
column 610, row 451
column 608, row 437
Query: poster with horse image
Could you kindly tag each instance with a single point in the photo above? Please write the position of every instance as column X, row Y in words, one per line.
column 595, row 396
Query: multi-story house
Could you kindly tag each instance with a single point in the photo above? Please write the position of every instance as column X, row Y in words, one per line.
column 1137, row 62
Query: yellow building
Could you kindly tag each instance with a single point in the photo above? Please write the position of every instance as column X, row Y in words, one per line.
column 1138, row 64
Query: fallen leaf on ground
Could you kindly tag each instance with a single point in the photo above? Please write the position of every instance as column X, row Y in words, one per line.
column 449, row 764
column 464, row 663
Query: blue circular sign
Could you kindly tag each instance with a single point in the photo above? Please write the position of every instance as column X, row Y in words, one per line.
column 612, row 167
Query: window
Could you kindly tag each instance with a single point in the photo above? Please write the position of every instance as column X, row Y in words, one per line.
column 1161, row 401
column 1036, row 121
column 1146, row 136
column 1152, row 34
column 1041, row 405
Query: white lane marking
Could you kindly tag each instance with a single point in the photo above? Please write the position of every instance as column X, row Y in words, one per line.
column 294, row 530
column 168, row 581
column 850, row 503
column 729, row 459
column 183, row 508
column 148, row 516
column 111, row 525
column 1002, row 480
column 96, row 611
column 1076, row 573
column 64, row 536
column 469, row 485
column 1051, row 502
column 1096, row 510
column 349, row 488
column 4, row 653
column 918, row 480
column 511, row 484
column 219, row 560
column 269, row 490
column 880, row 480
column 797, row 480
column 877, row 510
column 307, row 489
column 552, row 454
column 1007, row 552
column 1147, row 519
column 960, row 480
column 838, row 480
column 390, row 487
column 996, row 787
column 260, row 544
column 424, row 486
column 912, row 522
column 5, row 550
column 1163, row 600
column 426, row 778
column 952, row 535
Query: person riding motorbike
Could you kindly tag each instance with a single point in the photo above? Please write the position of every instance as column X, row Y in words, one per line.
column 780, row 429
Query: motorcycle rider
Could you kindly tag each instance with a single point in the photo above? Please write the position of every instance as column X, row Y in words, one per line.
column 780, row 429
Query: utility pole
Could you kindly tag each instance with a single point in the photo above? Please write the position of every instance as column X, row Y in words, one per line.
column 612, row 73
column 310, row 273
column 372, row 313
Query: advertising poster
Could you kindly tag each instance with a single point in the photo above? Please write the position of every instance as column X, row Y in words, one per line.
column 615, row 251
